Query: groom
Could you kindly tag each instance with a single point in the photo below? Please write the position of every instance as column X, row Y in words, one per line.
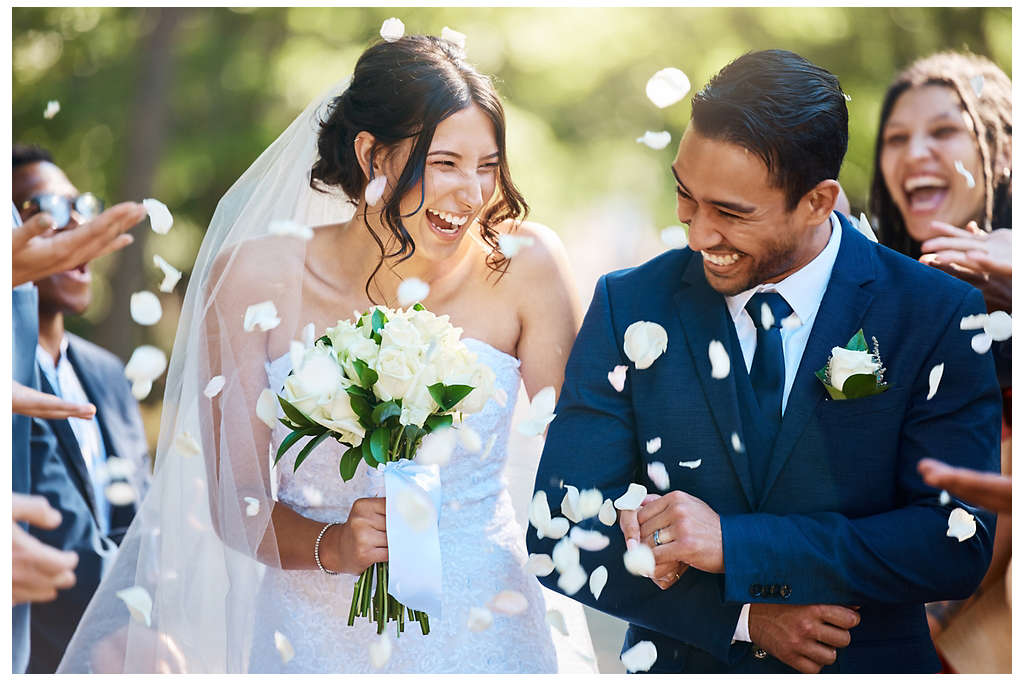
column 801, row 534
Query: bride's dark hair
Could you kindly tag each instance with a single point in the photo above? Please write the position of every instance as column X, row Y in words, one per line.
column 400, row 90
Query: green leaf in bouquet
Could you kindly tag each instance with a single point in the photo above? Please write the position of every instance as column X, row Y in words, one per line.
column 862, row 386
column 448, row 397
column 858, row 342
column 364, row 451
column 349, row 463
column 379, row 442
column 378, row 320
column 418, row 306
column 308, row 448
column 294, row 414
column 292, row 438
column 385, row 411
column 367, row 376
column 326, row 340
column 438, row 421
column 359, row 391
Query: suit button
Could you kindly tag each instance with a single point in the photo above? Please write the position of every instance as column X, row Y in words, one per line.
column 755, row 590
column 785, row 591
column 760, row 654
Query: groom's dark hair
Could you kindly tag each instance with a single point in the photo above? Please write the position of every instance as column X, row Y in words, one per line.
column 788, row 111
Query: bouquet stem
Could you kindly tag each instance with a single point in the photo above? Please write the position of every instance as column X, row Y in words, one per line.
column 370, row 600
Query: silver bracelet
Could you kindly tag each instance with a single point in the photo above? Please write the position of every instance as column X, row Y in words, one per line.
column 316, row 550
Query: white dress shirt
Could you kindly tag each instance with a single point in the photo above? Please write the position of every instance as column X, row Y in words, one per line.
column 803, row 291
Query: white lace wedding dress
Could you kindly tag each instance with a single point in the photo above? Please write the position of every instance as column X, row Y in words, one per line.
column 482, row 553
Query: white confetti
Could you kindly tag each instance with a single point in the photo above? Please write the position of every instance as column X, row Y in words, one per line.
column 556, row 620
column 308, row 335
column 509, row 602
column 968, row 178
column 999, row 325
column 598, row 579
column 653, row 445
column 417, row 509
column 214, row 386
column 655, row 140
column 312, row 496
column 453, row 36
column 792, row 322
column 767, row 318
column 565, row 555
column 617, row 378
column 511, row 244
column 632, row 498
column 934, row 377
column 375, row 190
column 977, row 84
column 487, row 448
column 644, row 342
column 52, row 109
column 412, row 290
column 572, row 580
column 380, row 650
column 540, row 414
column 392, row 29
column 479, row 619
column 145, row 308
column 639, row 657
column 120, row 493
column 171, row 274
column 719, row 360
column 961, row 525
column 138, row 601
column 252, row 506
column 666, row 87
column 639, row 560
column 737, row 444
column 186, row 445
column 659, row 475
column 262, row 315
column 140, row 389
column 160, row 218
column 540, row 517
column 470, row 439
column 284, row 647
column 145, row 365
column 266, row 408
column 589, row 540
column 120, row 467
column 296, row 353
column 437, row 447
column 675, row 237
column 571, row 503
column 607, row 515
column 981, row 343
column 692, row 464
column 970, row 322
column 589, row 504
column 944, row 498
column 539, row 565
column 290, row 228
column 864, row 227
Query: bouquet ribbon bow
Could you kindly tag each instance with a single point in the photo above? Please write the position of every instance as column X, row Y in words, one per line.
column 413, row 494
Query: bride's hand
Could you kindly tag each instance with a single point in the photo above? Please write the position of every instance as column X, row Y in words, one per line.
column 362, row 540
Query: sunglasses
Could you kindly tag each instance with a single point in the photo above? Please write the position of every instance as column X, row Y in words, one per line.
column 87, row 205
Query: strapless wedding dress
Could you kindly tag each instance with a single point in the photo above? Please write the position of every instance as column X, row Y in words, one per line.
column 482, row 553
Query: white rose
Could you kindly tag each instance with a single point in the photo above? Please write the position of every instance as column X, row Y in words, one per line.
column 314, row 381
column 644, row 342
column 360, row 348
column 338, row 416
column 430, row 325
column 482, row 382
column 396, row 371
column 400, row 333
column 417, row 406
column 845, row 363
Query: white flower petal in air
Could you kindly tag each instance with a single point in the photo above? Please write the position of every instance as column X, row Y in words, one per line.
column 667, row 87
column 659, row 475
column 392, row 29
column 138, row 601
column 565, row 555
column 308, row 335
column 556, row 620
column 252, row 506
column 290, row 228
column 312, row 496
column 674, row 237
column 171, row 274
column 375, row 190
column 632, row 498
column 262, row 315
column 297, row 353
column 944, row 498
column 970, row 322
column 643, row 342
column 607, row 515
column 977, row 84
column 791, row 322
column 436, row 447
column 120, row 467
column 160, row 218
column 588, row 540
column 540, row 512
column 557, row 529
column 509, row 602
column 511, row 244
column 120, row 493
column 571, row 503
column 981, row 343
column 719, row 360
column 284, row 647
column 968, row 178
column 653, row 445
column 617, row 378
column 692, row 464
column 589, row 503
column 655, row 140
column 214, row 386
column 380, row 650
column 737, row 444
column 540, row 414
column 454, row 36
column 470, row 439
column 639, row 560
column 479, row 619
column 145, row 308
column 961, row 525
column 501, row 397
column 186, row 445
column 52, row 109
column 639, row 657
column 417, row 509
column 539, row 565
column 412, row 291
column 864, row 227
column 847, row 97
column 999, row 325
column 934, row 377
column 266, row 408
column 146, row 364
column 598, row 579
column 572, row 580
column 767, row 318
column 140, row 389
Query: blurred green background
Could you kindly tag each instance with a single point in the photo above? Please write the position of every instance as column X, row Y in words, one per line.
column 175, row 103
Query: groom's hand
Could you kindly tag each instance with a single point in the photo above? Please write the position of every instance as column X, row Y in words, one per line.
column 665, row 574
column 803, row 637
column 689, row 531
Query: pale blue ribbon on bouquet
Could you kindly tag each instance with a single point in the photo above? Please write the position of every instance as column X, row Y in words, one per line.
column 414, row 549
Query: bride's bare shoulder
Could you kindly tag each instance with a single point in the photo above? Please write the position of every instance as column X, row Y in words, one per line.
column 541, row 255
column 262, row 263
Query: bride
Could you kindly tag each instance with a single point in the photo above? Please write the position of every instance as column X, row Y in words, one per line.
column 218, row 573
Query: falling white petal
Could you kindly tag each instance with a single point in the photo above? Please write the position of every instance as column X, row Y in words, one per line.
column 52, row 109
column 981, row 343
column 589, row 540
column 864, row 227
column 284, row 647
column 691, row 464
column 666, row 87
column 487, row 448
column 719, row 360
column 632, row 498
column 639, row 657
column 160, row 218
column 309, row 335
column 436, row 447
column 186, row 445
column 262, row 315
column 589, row 503
column 479, row 619
column 412, row 290
column 511, row 244
column 639, row 560
column 454, row 36
column 961, row 525
column 968, row 178
column 607, row 515
column 598, row 579
column 659, row 475
column 572, row 580
column 509, row 602
column 556, row 620
column 417, row 509
column 290, row 228
column 565, row 555
column 312, row 496
column 138, row 601
column 375, row 190
column 571, row 503
column 297, row 353
column 970, row 322
column 470, row 439
column 380, row 650
column 655, row 140
column 140, row 389
column 540, row 512
column 999, row 325
column 214, row 386
column 145, row 308
column 617, row 378
column 934, row 377
column 120, row 493
column 557, row 529
column 252, row 506
column 643, row 342
column 791, row 322
column 944, row 498
column 501, row 397
column 977, row 84
column 539, row 565
column 120, row 467
column 767, row 318
column 540, row 414
column 171, row 274
column 737, row 444
column 392, row 29
column 266, row 408
column 146, row 364
column 653, row 445
column 674, row 237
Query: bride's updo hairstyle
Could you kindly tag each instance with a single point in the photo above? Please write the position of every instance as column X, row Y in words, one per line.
column 400, row 90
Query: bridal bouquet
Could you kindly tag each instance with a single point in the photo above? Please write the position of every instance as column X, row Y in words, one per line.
column 380, row 385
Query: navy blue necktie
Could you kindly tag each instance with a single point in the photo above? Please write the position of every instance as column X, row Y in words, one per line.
column 768, row 370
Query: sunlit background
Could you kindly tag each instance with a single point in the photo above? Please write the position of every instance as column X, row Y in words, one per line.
column 175, row 103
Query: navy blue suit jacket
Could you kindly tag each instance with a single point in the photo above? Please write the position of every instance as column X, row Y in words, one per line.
column 843, row 517
column 64, row 479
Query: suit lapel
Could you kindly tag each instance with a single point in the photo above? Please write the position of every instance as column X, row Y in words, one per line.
column 704, row 318
column 839, row 317
column 70, row 451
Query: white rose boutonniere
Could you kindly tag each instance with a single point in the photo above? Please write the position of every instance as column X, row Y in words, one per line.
column 854, row 371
